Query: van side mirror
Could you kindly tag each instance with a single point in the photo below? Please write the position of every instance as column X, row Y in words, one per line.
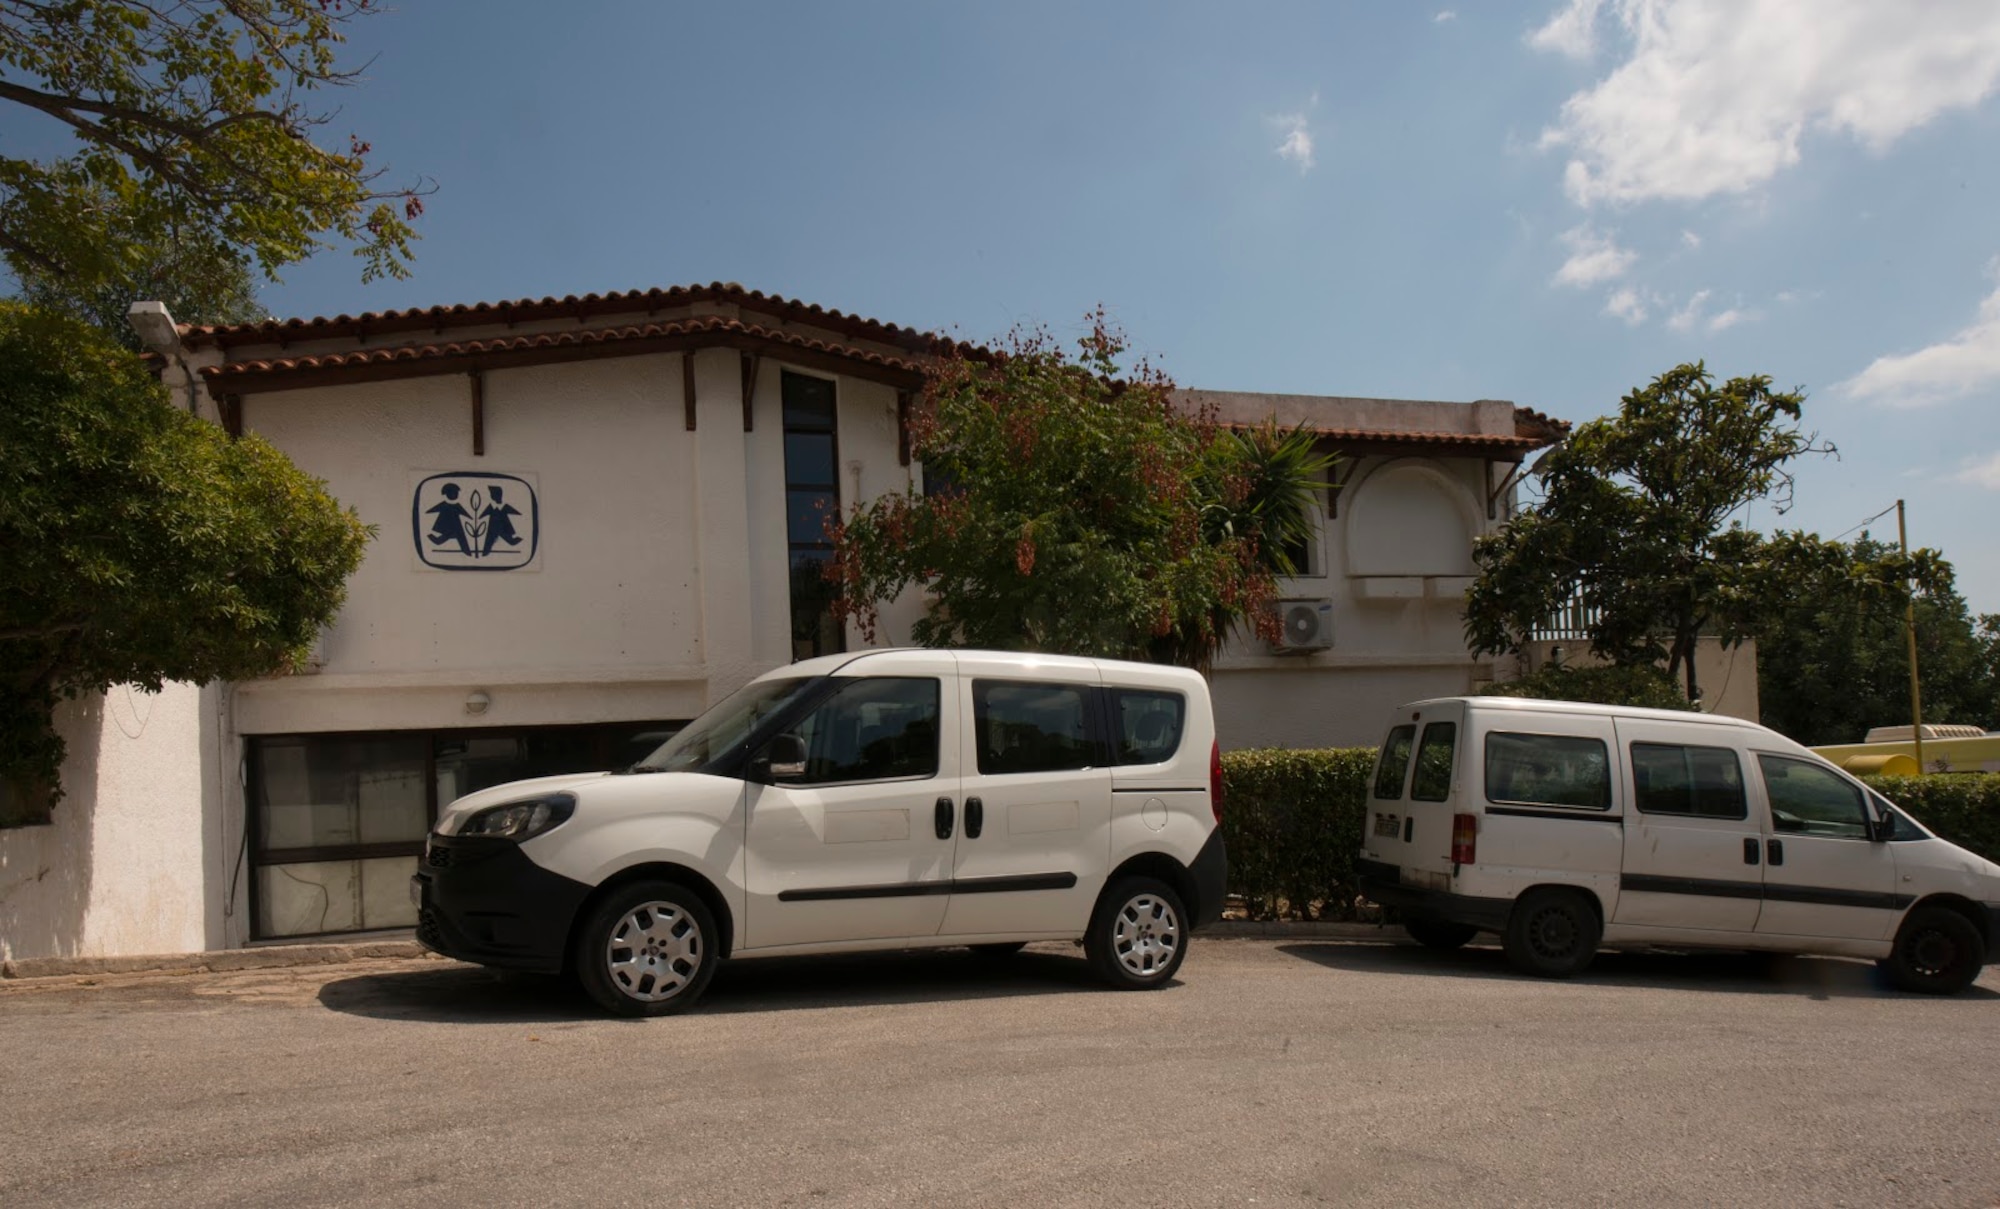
column 783, row 758
column 1882, row 827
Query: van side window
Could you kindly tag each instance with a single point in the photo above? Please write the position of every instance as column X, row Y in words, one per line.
column 1705, row 782
column 1812, row 800
column 1149, row 725
column 1394, row 763
column 1024, row 727
column 1548, row 770
column 1432, row 782
column 873, row 729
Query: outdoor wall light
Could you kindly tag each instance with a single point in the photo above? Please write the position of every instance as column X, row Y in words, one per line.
column 1556, row 654
column 477, row 700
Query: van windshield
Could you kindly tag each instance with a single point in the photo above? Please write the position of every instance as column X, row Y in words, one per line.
column 726, row 724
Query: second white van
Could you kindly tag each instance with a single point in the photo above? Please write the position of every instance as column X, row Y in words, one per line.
column 1563, row 827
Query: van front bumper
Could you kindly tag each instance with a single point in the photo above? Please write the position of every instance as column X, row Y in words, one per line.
column 484, row 901
column 1380, row 882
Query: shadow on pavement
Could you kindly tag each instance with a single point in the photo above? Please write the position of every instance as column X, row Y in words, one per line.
column 460, row 993
column 1756, row 973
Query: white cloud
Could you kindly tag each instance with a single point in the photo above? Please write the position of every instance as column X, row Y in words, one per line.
column 1951, row 369
column 1690, row 240
column 1981, row 473
column 1297, row 145
column 1684, row 319
column 1626, row 304
column 1443, row 16
column 1572, row 32
column 1731, row 317
column 1593, row 257
column 1716, row 95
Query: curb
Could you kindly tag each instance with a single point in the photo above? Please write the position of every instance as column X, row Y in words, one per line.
column 276, row 956
column 217, row 961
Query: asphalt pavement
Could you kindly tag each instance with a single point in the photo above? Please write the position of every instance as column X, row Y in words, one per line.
column 1275, row 1072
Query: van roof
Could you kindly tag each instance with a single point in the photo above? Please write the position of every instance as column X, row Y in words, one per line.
column 1535, row 705
column 887, row 658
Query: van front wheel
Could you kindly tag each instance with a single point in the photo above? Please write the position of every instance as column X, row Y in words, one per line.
column 1552, row 933
column 1938, row 952
column 648, row 949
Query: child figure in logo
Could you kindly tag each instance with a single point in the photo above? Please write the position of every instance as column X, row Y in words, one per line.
column 499, row 517
column 450, row 523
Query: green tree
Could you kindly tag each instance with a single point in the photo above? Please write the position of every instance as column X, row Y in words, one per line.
column 1606, row 685
column 1634, row 521
column 1076, row 508
column 142, row 545
column 192, row 131
column 208, row 285
column 1833, row 651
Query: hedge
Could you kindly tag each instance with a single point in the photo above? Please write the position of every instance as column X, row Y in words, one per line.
column 1292, row 820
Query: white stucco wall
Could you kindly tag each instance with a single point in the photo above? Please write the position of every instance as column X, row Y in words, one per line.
column 121, row 868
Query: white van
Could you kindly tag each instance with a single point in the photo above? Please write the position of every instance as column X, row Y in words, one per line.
column 878, row 800
column 1563, row 827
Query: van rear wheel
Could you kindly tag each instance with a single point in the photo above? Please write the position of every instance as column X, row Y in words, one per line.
column 1138, row 934
column 1437, row 934
column 1938, row 952
column 1552, row 932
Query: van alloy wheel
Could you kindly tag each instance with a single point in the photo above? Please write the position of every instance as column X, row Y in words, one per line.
column 654, row 952
column 647, row 949
column 1138, row 934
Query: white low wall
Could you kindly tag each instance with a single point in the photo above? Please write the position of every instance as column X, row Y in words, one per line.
column 120, row 869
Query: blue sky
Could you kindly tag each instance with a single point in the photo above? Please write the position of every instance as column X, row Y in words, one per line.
column 1548, row 202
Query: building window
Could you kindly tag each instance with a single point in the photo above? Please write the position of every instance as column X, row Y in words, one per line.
column 812, row 498
column 337, row 822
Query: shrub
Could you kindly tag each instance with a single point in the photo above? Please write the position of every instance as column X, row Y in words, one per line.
column 1292, row 820
column 1961, row 807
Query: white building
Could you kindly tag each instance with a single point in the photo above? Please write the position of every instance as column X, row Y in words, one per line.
column 590, row 515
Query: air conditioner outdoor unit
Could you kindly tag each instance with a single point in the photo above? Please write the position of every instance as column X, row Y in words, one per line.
column 1307, row 624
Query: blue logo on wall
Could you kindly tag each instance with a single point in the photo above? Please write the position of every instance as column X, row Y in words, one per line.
column 474, row 521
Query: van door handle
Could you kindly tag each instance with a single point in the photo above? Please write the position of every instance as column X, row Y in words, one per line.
column 975, row 818
column 1749, row 850
column 944, row 818
column 1776, row 851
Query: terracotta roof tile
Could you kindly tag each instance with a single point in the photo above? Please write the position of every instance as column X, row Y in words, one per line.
column 576, row 306
column 1546, row 430
column 714, row 325
column 1475, row 440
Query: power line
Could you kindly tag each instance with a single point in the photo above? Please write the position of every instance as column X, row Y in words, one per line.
column 1871, row 520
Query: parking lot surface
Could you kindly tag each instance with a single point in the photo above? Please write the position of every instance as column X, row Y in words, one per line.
column 1275, row 1072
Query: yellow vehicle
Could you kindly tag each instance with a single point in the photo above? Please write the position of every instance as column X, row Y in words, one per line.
column 1891, row 751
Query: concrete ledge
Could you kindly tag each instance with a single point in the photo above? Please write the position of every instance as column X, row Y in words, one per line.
column 263, row 957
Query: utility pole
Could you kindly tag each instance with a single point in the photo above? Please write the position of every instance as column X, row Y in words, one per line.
column 1910, row 625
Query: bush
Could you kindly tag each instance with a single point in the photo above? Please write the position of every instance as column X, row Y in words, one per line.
column 1961, row 807
column 1292, row 820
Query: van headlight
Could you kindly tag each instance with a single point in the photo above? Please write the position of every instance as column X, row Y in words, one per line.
column 520, row 820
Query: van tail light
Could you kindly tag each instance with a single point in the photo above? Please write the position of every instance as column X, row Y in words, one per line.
column 1215, row 779
column 1464, row 839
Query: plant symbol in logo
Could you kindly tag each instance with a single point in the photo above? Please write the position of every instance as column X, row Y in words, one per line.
column 474, row 523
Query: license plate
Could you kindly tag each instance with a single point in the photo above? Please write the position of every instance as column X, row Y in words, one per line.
column 1388, row 825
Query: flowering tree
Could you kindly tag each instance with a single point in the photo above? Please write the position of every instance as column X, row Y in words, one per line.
column 1074, row 507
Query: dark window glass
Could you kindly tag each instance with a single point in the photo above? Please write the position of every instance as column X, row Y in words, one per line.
column 1432, row 782
column 1032, row 727
column 812, row 498
column 316, row 791
column 1149, row 725
column 1395, row 762
column 1811, row 799
column 1706, row 782
column 809, row 403
column 1548, row 770
column 806, row 515
column 809, row 459
column 873, row 730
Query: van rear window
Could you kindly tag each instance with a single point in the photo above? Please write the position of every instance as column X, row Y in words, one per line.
column 1394, row 763
column 1432, row 782
column 1548, row 770
column 1149, row 725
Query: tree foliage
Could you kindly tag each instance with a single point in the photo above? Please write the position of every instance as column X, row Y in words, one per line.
column 1634, row 521
column 1079, row 509
column 206, row 285
column 1832, row 649
column 142, row 545
column 192, row 130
